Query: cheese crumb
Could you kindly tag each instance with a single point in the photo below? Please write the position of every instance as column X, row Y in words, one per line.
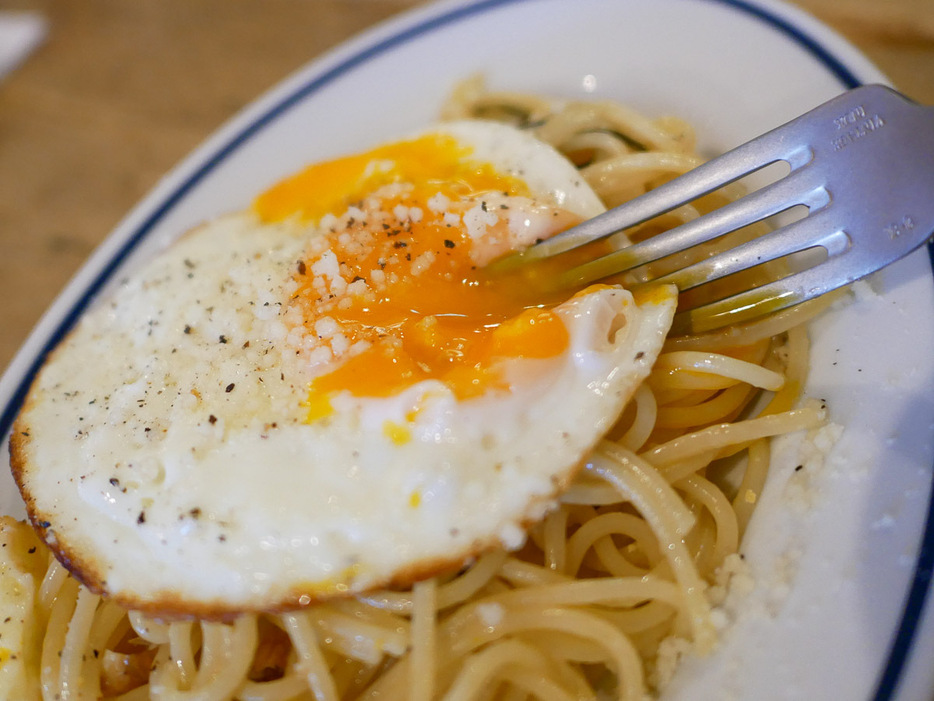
column 438, row 203
column 491, row 614
column 477, row 221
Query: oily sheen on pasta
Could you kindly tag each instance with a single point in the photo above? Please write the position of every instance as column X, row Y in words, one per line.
column 622, row 537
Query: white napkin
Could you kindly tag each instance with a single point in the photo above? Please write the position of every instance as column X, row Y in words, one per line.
column 20, row 33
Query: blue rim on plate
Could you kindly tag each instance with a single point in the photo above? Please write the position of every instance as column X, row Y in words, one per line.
column 916, row 595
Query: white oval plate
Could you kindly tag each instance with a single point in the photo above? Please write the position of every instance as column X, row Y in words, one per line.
column 843, row 558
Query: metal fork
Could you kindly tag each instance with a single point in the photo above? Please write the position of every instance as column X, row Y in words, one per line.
column 863, row 166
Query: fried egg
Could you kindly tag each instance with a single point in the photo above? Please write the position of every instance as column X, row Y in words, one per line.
column 326, row 393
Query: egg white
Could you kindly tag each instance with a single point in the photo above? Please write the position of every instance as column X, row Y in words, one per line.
column 164, row 451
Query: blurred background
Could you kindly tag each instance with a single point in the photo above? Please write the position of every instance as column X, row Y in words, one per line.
column 118, row 91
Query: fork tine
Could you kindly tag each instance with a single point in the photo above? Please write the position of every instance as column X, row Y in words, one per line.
column 712, row 175
column 796, row 188
column 814, row 230
column 771, row 297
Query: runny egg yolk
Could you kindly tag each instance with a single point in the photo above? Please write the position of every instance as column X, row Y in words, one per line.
column 395, row 282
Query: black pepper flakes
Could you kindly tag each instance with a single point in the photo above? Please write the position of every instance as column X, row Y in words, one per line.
column 141, row 519
column 229, row 388
column 212, row 419
column 222, row 338
column 302, row 268
column 448, row 243
column 187, row 329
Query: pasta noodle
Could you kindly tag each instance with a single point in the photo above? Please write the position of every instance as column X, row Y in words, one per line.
column 606, row 586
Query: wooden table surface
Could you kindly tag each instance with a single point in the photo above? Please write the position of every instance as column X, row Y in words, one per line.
column 121, row 90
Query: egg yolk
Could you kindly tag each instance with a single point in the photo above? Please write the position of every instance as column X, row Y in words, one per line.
column 395, row 284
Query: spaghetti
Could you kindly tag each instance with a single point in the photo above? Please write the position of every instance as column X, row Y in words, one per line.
column 606, row 587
